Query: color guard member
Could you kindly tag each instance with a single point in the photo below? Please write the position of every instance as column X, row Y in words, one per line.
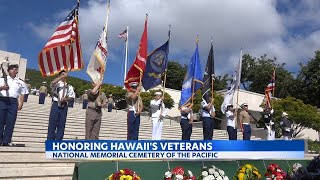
column 12, row 91
column 269, row 124
column 158, row 111
column 285, row 125
column 61, row 94
column 135, row 107
column 245, row 120
column 97, row 101
column 208, row 113
column 231, row 122
column 186, row 121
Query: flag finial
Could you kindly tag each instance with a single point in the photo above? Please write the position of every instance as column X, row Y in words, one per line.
column 197, row 39
column 169, row 31
column 211, row 38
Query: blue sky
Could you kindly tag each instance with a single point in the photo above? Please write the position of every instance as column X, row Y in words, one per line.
column 286, row 29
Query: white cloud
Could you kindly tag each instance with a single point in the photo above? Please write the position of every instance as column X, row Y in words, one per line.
column 44, row 31
column 254, row 26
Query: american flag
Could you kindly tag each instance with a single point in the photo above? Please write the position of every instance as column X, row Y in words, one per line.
column 63, row 50
column 123, row 35
column 270, row 87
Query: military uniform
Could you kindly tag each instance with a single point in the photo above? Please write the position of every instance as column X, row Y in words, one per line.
column 207, row 121
column 157, row 108
column 269, row 124
column 28, row 86
column 71, row 102
column 93, row 115
column 9, row 106
column 59, row 110
column 110, row 103
column 186, row 126
column 285, row 125
column 133, row 121
column 84, row 101
column 245, row 120
column 231, row 124
column 43, row 90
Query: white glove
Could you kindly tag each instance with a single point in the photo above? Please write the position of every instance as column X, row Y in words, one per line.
column 272, row 111
column 288, row 129
column 272, row 123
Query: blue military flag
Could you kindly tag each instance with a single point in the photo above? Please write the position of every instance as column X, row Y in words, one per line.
column 156, row 65
column 193, row 79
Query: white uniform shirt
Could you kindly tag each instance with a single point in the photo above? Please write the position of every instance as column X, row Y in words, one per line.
column 155, row 110
column 230, row 119
column 25, row 88
column 58, row 89
column 205, row 112
column 16, row 87
column 189, row 114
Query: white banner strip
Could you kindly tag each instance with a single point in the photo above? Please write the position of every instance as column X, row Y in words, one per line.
column 177, row 155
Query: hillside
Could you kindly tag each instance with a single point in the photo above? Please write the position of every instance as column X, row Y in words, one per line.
column 36, row 81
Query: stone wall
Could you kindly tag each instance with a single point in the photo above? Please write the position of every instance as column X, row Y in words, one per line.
column 15, row 58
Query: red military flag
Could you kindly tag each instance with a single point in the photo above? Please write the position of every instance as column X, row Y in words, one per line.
column 63, row 50
column 137, row 68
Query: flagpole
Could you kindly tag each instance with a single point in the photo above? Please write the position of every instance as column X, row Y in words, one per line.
column 274, row 87
column 126, row 56
column 106, row 31
column 212, row 75
column 69, row 53
column 238, row 87
column 103, row 70
column 197, row 41
column 165, row 71
column 141, row 74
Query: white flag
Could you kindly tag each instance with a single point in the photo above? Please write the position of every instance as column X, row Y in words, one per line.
column 228, row 98
column 98, row 61
column 97, row 64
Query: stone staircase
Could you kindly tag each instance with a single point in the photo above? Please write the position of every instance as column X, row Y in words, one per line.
column 31, row 129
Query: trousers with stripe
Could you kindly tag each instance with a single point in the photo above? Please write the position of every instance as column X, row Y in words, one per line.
column 57, row 121
column 8, row 117
column 133, row 123
column 246, row 131
column 208, row 126
column 186, row 129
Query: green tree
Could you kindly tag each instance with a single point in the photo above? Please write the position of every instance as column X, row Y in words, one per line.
column 36, row 81
column 175, row 75
column 300, row 114
column 148, row 96
column 118, row 93
column 308, row 81
column 221, row 82
column 256, row 74
column 79, row 85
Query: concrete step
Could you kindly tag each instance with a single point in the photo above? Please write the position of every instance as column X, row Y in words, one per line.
column 29, row 165
column 79, row 133
column 107, row 122
column 28, row 157
column 39, row 172
column 58, row 177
